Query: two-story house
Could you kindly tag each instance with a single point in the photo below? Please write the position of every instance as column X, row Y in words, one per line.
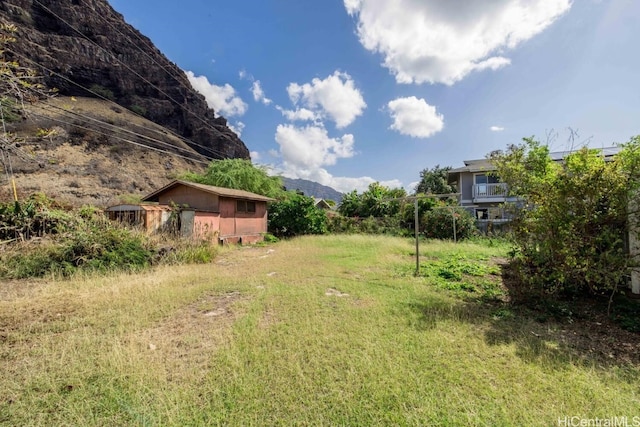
column 481, row 191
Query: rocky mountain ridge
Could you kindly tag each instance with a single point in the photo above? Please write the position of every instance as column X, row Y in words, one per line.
column 85, row 48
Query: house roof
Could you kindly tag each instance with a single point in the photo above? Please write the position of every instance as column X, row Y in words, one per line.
column 321, row 203
column 479, row 165
column 219, row 191
column 140, row 207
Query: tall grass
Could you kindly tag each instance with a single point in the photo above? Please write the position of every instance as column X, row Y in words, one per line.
column 324, row 330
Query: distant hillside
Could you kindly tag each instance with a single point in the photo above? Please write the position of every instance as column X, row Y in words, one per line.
column 312, row 189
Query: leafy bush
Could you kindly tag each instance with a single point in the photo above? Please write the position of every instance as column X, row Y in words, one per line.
column 342, row 224
column 439, row 223
column 570, row 233
column 375, row 202
column 189, row 252
column 270, row 238
column 139, row 110
column 296, row 215
column 34, row 217
column 79, row 240
column 102, row 91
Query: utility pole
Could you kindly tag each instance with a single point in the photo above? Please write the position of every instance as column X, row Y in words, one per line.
column 417, row 218
column 4, row 147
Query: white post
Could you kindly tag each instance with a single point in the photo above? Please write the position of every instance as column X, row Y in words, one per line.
column 417, row 231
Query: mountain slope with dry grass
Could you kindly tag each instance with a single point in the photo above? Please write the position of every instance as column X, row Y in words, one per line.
column 85, row 48
column 87, row 151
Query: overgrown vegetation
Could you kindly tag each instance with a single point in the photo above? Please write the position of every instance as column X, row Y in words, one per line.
column 139, row 110
column 382, row 210
column 447, row 222
column 102, row 91
column 66, row 242
column 570, row 229
column 294, row 215
column 239, row 174
column 42, row 238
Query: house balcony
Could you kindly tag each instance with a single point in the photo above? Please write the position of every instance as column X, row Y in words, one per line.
column 490, row 192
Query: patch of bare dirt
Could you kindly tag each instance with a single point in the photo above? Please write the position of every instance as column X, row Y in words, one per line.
column 331, row 292
column 186, row 341
column 581, row 325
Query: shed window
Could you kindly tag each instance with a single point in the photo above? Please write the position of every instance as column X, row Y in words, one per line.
column 245, row 206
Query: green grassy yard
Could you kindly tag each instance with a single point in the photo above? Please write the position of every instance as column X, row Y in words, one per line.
column 329, row 330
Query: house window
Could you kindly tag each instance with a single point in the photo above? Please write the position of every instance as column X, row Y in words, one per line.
column 245, row 206
column 483, row 178
column 482, row 213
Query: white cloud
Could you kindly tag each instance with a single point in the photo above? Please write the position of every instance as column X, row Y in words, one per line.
column 360, row 184
column 414, row 117
column 310, row 147
column 237, row 127
column 255, row 156
column 496, row 128
column 274, row 153
column 335, row 97
column 340, row 183
column 439, row 41
column 299, row 114
column 222, row 99
column 258, row 93
column 305, row 151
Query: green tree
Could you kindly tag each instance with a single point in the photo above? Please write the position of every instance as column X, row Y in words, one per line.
column 239, row 174
column 439, row 222
column 350, row 204
column 377, row 201
column 435, row 181
column 407, row 214
column 570, row 230
column 296, row 214
column 18, row 85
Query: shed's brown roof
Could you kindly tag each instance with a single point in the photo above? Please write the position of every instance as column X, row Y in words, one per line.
column 137, row 207
column 220, row 191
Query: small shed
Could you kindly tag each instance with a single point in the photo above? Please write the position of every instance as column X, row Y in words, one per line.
column 149, row 217
column 209, row 212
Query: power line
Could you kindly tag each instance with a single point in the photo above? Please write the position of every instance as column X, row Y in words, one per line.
column 141, row 39
column 127, row 66
column 120, row 138
column 188, row 141
column 110, row 126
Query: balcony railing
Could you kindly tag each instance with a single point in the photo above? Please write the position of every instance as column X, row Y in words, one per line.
column 490, row 191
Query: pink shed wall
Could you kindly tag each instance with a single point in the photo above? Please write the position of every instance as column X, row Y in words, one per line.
column 241, row 223
column 206, row 225
column 190, row 196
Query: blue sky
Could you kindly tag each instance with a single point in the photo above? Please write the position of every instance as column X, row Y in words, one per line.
column 348, row 92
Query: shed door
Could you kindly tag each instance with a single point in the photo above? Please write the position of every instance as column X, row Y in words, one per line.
column 186, row 223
